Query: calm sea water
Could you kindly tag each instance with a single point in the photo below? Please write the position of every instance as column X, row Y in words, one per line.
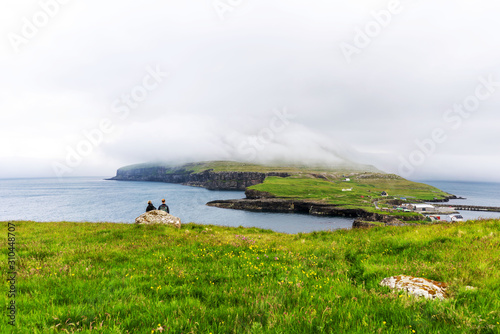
column 475, row 193
column 94, row 199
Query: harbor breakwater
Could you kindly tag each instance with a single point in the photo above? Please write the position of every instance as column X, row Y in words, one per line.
column 462, row 207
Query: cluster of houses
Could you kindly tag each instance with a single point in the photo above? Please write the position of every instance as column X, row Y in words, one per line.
column 432, row 212
column 416, row 207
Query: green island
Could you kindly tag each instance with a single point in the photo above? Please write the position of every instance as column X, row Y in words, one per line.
column 359, row 191
column 123, row 278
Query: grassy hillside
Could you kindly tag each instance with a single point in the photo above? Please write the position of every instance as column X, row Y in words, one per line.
column 120, row 278
column 365, row 188
column 228, row 166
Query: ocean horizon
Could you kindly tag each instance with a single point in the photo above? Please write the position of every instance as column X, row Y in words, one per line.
column 95, row 199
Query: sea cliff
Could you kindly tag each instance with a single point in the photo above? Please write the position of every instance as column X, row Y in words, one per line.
column 209, row 179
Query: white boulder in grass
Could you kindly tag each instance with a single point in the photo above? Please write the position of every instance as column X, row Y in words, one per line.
column 416, row 286
column 158, row 217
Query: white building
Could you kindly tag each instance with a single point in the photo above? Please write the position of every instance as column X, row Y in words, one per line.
column 423, row 207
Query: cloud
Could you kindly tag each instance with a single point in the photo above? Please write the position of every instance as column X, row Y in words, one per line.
column 226, row 78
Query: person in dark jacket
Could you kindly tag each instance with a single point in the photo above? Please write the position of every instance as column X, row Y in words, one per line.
column 150, row 206
column 163, row 206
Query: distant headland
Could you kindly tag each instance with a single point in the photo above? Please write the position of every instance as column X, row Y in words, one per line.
column 358, row 191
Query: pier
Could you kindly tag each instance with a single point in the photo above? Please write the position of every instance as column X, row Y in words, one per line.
column 469, row 207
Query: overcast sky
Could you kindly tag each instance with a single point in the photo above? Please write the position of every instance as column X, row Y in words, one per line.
column 411, row 87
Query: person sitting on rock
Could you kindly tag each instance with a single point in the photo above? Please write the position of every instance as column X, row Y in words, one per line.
column 163, row 206
column 150, row 207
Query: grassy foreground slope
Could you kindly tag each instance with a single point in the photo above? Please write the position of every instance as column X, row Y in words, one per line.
column 120, row 278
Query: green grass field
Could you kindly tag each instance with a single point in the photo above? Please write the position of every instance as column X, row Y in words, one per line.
column 120, row 278
column 364, row 190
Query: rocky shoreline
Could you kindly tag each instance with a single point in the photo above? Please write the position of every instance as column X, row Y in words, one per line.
column 447, row 199
column 281, row 205
column 259, row 201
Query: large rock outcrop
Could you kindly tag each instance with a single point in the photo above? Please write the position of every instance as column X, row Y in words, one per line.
column 158, row 217
column 375, row 220
column 416, row 286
